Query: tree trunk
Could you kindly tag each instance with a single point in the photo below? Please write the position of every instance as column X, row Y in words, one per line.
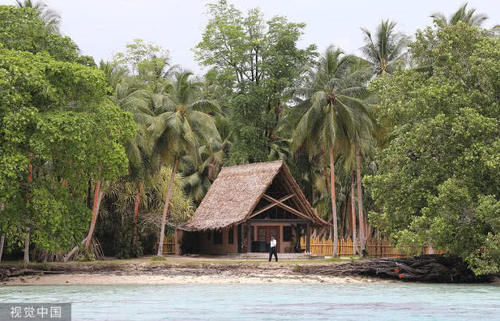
column 362, row 235
column 2, row 238
column 2, row 241
column 334, row 204
column 165, row 207
column 136, row 213
column 30, row 168
column 353, row 217
column 27, row 247
column 89, row 193
column 95, row 211
column 28, row 230
column 73, row 251
column 325, row 174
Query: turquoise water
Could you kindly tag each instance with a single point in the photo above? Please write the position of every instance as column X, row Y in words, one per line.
column 268, row 302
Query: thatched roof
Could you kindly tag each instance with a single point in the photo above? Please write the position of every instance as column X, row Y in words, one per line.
column 236, row 192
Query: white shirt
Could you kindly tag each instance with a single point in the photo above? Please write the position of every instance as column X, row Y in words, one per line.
column 273, row 243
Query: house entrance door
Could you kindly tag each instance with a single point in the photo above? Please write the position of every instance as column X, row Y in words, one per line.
column 264, row 234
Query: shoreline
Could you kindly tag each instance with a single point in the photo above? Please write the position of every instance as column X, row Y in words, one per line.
column 426, row 269
column 150, row 273
column 165, row 279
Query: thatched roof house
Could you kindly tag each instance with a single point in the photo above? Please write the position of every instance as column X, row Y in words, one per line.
column 256, row 201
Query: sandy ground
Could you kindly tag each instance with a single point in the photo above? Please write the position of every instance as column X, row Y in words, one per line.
column 106, row 279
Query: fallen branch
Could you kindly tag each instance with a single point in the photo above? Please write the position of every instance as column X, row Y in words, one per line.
column 74, row 250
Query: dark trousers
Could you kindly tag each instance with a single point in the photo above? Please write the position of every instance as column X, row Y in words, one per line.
column 273, row 250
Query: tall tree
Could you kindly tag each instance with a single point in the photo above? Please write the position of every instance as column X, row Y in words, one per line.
column 255, row 61
column 52, row 18
column 179, row 128
column 55, row 116
column 385, row 49
column 333, row 113
column 133, row 94
column 467, row 16
column 437, row 177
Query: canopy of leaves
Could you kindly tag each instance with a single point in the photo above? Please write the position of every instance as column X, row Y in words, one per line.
column 437, row 181
column 56, row 116
column 23, row 29
column 115, row 231
column 256, row 61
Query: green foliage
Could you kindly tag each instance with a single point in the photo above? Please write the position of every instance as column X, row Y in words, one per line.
column 254, row 64
column 59, row 221
column 49, row 16
column 23, row 29
column 143, row 59
column 183, row 123
column 55, row 116
column 158, row 259
column 115, row 225
column 181, row 208
column 385, row 49
column 462, row 15
column 437, row 181
column 336, row 110
column 249, row 124
column 85, row 256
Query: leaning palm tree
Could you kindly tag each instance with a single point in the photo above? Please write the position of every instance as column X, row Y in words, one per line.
column 132, row 95
column 469, row 17
column 361, row 143
column 52, row 18
column 179, row 128
column 385, row 49
column 333, row 113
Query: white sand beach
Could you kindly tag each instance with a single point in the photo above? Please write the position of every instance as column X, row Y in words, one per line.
column 113, row 279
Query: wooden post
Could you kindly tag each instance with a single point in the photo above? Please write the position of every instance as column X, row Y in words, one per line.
column 308, row 238
column 249, row 237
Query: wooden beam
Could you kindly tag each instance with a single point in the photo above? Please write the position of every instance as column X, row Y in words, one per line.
column 265, row 208
column 284, row 206
column 249, row 237
column 308, row 238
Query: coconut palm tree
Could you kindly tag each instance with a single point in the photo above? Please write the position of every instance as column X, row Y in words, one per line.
column 385, row 49
column 179, row 127
column 469, row 17
column 52, row 19
column 360, row 143
column 199, row 177
column 333, row 113
column 132, row 95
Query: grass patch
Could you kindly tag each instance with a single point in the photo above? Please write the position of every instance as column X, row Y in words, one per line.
column 158, row 259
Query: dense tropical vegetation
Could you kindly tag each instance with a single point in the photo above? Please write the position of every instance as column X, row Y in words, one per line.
column 113, row 156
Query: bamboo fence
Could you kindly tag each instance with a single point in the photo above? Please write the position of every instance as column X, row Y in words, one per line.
column 324, row 247
column 169, row 245
column 374, row 247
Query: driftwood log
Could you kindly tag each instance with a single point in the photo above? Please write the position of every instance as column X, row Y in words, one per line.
column 428, row 268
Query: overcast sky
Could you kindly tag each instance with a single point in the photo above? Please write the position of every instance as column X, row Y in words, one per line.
column 103, row 27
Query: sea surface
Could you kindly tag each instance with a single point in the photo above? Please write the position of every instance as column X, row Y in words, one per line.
column 381, row 301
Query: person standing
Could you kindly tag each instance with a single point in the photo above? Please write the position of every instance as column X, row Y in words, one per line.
column 273, row 249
